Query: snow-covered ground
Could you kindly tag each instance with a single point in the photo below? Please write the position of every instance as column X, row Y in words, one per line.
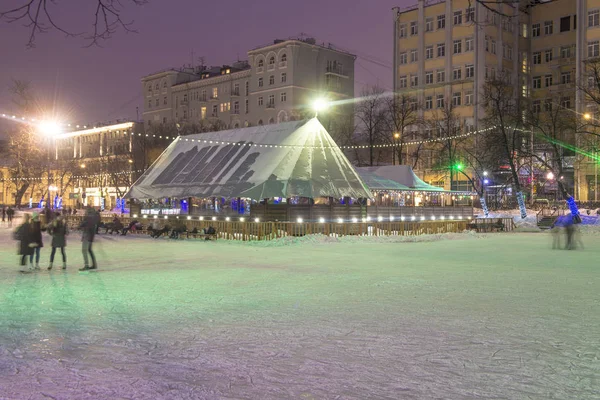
column 499, row 316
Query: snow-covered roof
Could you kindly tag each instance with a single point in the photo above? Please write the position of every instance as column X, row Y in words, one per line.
column 394, row 177
column 283, row 160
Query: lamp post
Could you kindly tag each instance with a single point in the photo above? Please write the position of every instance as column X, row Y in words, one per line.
column 49, row 129
column 395, row 148
column 320, row 104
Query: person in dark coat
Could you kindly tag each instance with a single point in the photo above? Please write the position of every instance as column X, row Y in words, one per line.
column 26, row 245
column 59, row 231
column 9, row 214
column 36, row 237
column 3, row 213
column 89, row 227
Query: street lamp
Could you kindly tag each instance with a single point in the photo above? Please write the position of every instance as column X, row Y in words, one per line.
column 549, row 176
column 587, row 116
column 320, row 104
column 49, row 129
column 396, row 138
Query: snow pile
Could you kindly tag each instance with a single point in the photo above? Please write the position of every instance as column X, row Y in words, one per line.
column 319, row 239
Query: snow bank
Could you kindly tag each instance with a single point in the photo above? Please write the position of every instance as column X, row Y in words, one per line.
column 319, row 239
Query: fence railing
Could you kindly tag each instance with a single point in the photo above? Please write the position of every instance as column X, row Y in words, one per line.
column 245, row 231
column 507, row 222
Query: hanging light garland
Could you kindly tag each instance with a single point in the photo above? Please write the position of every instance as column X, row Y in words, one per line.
column 75, row 176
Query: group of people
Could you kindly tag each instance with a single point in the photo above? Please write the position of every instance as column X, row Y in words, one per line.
column 8, row 213
column 29, row 235
column 565, row 225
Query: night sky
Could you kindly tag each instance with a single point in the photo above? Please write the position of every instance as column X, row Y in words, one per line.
column 100, row 84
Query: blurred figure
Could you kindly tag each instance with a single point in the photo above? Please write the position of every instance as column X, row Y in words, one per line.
column 59, row 231
column 570, row 231
column 26, row 246
column 36, row 237
column 89, row 228
column 556, row 230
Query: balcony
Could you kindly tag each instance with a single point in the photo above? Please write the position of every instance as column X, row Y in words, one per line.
column 202, row 99
column 236, row 112
column 336, row 70
column 184, row 102
column 271, row 105
column 271, row 67
column 214, row 98
column 260, row 70
column 235, row 92
column 282, row 64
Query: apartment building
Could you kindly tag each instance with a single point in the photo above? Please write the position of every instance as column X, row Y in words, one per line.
column 277, row 83
column 445, row 50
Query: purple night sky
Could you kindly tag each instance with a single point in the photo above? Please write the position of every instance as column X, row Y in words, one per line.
column 101, row 84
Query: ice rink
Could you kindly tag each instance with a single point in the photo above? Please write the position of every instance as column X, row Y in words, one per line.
column 462, row 317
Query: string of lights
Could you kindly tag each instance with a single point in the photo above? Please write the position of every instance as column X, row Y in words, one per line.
column 42, row 178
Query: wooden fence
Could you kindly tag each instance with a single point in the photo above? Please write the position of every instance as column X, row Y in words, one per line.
column 507, row 222
column 233, row 230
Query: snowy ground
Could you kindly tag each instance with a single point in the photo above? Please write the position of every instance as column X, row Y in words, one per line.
column 477, row 317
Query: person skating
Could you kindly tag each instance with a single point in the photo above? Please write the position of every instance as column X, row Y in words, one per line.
column 59, row 231
column 36, row 237
column 26, row 245
column 9, row 214
column 88, row 226
column 3, row 214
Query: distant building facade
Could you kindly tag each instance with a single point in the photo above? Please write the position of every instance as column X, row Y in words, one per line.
column 277, row 83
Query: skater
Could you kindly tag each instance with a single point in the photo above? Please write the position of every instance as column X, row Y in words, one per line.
column 9, row 214
column 556, row 230
column 3, row 214
column 59, row 231
column 36, row 237
column 570, row 231
column 26, row 246
column 88, row 226
column 130, row 228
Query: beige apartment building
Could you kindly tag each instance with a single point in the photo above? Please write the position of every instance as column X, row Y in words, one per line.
column 277, row 83
column 445, row 50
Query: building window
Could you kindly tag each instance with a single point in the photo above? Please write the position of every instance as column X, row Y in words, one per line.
column 537, row 57
column 548, row 55
column 149, row 103
column 203, row 112
column 487, row 43
column 246, row 106
column 428, row 24
column 403, row 81
column 414, row 56
column 215, row 111
column 565, row 102
column 236, row 89
column 537, row 82
column 428, row 102
column 284, row 58
column 283, row 97
column 548, row 80
column 565, row 24
column 593, row 48
column 469, row 44
column 413, row 104
column 441, row 21
column 548, row 105
column 403, row 58
column 284, row 77
column 165, row 100
column 272, row 60
column 271, row 103
column 414, row 80
column 260, row 101
column 428, row 77
column 548, row 27
column 536, row 106
column 468, row 98
column 215, row 93
column 441, row 75
column 457, row 74
column 470, row 14
column 456, row 99
column 260, row 82
column 536, row 30
column 457, row 17
column 441, row 50
column 593, row 18
column 439, row 101
column 272, row 80
column 469, row 71
column 402, row 31
column 493, row 46
column 414, row 28
column 429, row 52
column 508, row 52
column 565, row 77
column 565, row 51
column 156, row 103
column 261, row 63
column 457, row 46
column 247, row 88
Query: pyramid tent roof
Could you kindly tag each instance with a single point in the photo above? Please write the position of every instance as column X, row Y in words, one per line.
column 394, row 177
column 296, row 158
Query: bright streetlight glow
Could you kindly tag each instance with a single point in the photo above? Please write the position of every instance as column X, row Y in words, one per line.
column 50, row 128
column 485, row 173
column 486, row 181
column 396, row 135
column 320, row 104
column 82, row 165
column 549, row 175
column 587, row 116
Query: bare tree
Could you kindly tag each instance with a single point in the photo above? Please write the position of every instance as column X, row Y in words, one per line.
column 445, row 126
column 504, row 117
column 371, row 118
column 401, row 112
column 39, row 16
